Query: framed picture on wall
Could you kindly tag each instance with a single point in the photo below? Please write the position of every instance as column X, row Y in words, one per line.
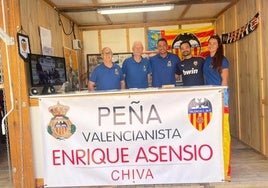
column 95, row 59
column 120, row 57
column 92, row 61
column 23, row 46
column 71, row 63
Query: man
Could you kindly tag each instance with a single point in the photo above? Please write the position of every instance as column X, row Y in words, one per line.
column 136, row 69
column 108, row 75
column 163, row 65
column 191, row 68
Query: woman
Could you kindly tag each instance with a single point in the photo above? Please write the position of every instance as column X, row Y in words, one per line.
column 215, row 71
column 216, row 65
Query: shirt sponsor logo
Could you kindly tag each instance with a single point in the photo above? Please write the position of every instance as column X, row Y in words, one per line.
column 189, row 72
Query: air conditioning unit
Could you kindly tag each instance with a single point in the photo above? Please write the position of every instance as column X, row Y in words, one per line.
column 77, row 44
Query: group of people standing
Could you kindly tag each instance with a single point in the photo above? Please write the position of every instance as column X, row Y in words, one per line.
column 162, row 69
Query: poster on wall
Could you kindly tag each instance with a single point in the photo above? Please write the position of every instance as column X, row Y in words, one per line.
column 46, row 38
column 72, row 67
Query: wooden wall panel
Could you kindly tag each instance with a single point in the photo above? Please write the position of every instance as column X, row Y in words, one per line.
column 16, row 100
column 29, row 22
column 48, row 18
column 231, row 54
column 264, row 82
column 243, row 91
column 113, row 42
column 249, row 78
column 224, row 24
column 245, row 75
column 219, row 26
column 35, row 13
column 243, row 78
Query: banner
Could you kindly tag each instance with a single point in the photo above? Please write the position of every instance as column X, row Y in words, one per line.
column 133, row 138
column 198, row 37
column 241, row 32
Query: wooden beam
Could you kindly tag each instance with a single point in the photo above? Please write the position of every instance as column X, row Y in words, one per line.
column 149, row 24
column 99, row 40
column 227, row 7
column 129, row 46
column 144, row 17
column 263, row 128
column 108, row 20
column 185, row 10
column 75, row 7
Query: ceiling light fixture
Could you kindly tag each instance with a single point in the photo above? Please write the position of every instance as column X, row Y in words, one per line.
column 134, row 9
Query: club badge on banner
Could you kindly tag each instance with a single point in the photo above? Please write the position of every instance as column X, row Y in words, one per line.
column 133, row 138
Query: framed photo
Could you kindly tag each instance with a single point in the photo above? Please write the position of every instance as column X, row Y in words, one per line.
column 95, row 59
column 23, row 46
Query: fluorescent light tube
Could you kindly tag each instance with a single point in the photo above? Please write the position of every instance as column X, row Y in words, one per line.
column 121, row 10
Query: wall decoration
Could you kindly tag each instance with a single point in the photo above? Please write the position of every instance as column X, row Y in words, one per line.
column 95, row 59
column 46, row 38
column 193, row 40
column 23, row 46
column 242, row 31
column 198, row 38
column 72, row 67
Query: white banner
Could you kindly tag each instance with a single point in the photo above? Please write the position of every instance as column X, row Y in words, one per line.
column 133, row 138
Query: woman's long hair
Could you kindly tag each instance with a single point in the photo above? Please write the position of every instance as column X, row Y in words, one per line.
column 218, row 57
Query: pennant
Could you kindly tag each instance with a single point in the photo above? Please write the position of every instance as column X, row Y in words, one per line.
column 242, row 31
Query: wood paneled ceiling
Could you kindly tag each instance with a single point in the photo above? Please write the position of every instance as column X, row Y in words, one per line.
column 84, row 12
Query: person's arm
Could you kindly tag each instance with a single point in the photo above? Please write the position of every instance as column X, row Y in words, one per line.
column 178, row 72
column 224, row 76
column 123, row 85
column 91, row 86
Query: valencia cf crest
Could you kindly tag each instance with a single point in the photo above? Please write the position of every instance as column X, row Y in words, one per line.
column 200, row 113
column 144, row 68
column 116, row 71
column 190, row 37
column 60, row 126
